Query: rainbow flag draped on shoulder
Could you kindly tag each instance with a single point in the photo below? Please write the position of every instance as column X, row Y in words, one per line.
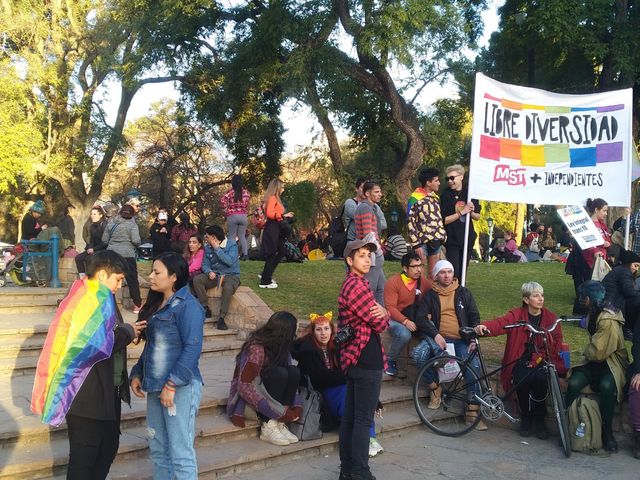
column 80, row 336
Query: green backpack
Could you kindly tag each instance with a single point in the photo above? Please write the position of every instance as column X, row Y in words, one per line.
column 585, row 426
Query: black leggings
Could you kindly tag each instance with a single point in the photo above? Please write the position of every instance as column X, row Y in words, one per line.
column 281, row 383
column 532, row 393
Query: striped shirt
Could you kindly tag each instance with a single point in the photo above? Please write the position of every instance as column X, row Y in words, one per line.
column 231, row 206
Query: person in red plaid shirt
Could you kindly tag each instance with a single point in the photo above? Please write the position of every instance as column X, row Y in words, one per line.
column 361, row 359
column 236, row 204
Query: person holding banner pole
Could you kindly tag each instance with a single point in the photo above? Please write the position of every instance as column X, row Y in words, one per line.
column 457, row 209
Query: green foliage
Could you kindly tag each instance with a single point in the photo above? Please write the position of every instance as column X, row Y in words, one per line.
column 301, row 199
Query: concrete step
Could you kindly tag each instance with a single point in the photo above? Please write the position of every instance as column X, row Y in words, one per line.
column 40, row 452
column 30, row 299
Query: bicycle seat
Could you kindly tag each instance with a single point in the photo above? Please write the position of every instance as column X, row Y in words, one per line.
column 467, row 333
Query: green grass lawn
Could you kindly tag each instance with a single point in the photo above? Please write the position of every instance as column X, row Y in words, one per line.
column 312, row 287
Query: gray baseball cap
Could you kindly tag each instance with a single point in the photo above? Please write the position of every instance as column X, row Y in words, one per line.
column 356, row 244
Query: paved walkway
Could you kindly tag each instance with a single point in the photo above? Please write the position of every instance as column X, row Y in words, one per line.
column 498, row 453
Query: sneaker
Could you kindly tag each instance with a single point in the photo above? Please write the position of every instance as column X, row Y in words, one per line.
column 136, row 309
column 269, row 432
column 286, row 433
column 374, row 447
column 273, row 280
column 392, row 368
column 207, row 312
column 221, row 324
column 269, row 285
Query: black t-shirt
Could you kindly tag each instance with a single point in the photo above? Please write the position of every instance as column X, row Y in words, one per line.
column 455, row 230
column 371, row 355
column 534, row 320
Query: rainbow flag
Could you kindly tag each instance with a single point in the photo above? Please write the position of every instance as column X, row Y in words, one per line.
column 80, row 336
column 417, row 195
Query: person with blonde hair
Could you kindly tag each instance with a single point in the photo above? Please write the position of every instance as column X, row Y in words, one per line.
column 457, row 209
column 275, row 231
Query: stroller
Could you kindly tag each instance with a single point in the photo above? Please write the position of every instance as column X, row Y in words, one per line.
column 24, row 269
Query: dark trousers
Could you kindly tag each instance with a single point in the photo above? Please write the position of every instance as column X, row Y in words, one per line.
column 132, row 281
column 81, row 262
column 93, row 444
column 599, row 377
column 532, row 392
column 271, row 261
column 361, row 400
column 281, row 383
column 455, row 256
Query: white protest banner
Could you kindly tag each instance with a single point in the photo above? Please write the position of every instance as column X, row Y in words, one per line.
column 533, row 146
column 581, row 226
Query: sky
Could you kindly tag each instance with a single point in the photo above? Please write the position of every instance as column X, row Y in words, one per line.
column 301, row 127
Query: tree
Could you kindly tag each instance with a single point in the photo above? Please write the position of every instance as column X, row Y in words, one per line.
column 69, row 55
column 305, row 51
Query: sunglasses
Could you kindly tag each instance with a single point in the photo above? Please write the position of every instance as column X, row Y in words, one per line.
column 452, row 177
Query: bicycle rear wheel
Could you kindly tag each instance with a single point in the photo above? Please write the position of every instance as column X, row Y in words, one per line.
column 559, row 410
column 449, row 418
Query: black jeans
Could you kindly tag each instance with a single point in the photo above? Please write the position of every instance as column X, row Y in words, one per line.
column 270, row 263
column 281, row 383
column 455, row 254
column 132, row 281
column 361, row 400
column 93, row 444
column 532, row 393
column 81, row 262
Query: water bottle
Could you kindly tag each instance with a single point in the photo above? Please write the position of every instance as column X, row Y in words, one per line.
column 580, row 430
column 565, row 355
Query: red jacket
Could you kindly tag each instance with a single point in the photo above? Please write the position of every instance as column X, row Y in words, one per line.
column 517, row 339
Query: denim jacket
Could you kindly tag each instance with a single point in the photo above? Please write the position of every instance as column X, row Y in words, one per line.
column 223, row 260
column 174, row 342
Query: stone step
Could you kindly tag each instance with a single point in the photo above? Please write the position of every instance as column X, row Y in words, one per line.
column 29, row 342
column 25, row 364
column 40, row 452
column 30, row 300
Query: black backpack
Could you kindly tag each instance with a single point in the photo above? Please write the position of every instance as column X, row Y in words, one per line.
column 337, row 235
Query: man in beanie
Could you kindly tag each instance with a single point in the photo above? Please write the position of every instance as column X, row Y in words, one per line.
column 444, row 310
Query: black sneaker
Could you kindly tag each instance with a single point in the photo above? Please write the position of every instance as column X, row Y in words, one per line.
column 222, row 325
column 207, row 312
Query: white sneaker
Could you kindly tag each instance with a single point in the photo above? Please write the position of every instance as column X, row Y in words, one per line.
column 270, row 432
column 374, row 447
column 270, row 285
column 286, row 433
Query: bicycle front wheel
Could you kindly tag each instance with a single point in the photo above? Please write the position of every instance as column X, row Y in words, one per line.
column 559, row 411
column 447, row 418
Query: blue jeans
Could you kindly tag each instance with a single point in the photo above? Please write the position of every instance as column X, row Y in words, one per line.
column 428, row 348
column 363, row 392
column 401, row 336
column 171, row 438
column 334, row 398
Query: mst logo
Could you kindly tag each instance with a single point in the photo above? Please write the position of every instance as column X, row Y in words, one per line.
column 514, row 176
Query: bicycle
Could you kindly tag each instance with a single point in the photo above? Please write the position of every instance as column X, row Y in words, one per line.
column 466, row 386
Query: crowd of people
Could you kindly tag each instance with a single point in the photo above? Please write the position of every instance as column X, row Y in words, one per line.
column 345, row 359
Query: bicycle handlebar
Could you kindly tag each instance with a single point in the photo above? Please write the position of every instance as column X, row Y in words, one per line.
column 532, row 329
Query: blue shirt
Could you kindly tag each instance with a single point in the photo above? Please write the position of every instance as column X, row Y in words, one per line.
column 221, row 260
column 174, row 342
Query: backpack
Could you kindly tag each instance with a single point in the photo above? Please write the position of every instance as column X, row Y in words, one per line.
column 585, row 411
column 308, row 426
column 337, row 235
column 259, row 217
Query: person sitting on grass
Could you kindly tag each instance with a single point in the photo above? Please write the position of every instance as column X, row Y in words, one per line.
column 531, row 387
column 318, row 358
column 604, row 360
column 265, row 381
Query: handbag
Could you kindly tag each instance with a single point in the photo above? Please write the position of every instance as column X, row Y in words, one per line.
column 308, row 426
column 600, row 269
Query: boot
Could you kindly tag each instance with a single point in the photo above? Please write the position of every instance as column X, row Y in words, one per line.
column 608, row 441
column 635, row 448
column 525, row 426
column 221, row 325
column 540, row 428
column 471, row 414
column 435, row 396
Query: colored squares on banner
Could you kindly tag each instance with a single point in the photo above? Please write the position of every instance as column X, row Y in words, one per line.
column 583, row 157
column 609, row 152
column 556, row 153
column 510, row 148
column 489, row 147
column 557, row 109
column 532, row 156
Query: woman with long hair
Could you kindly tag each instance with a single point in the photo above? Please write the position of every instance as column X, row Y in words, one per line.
column 122, row 235
column 194, row 255
column 318, row 358
column 236, row 204
column 181, row 233
column 168, row 367
column 265, row 382
column 605, row 358
column 598, row 209
column 94, row 242
column 275, row 232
